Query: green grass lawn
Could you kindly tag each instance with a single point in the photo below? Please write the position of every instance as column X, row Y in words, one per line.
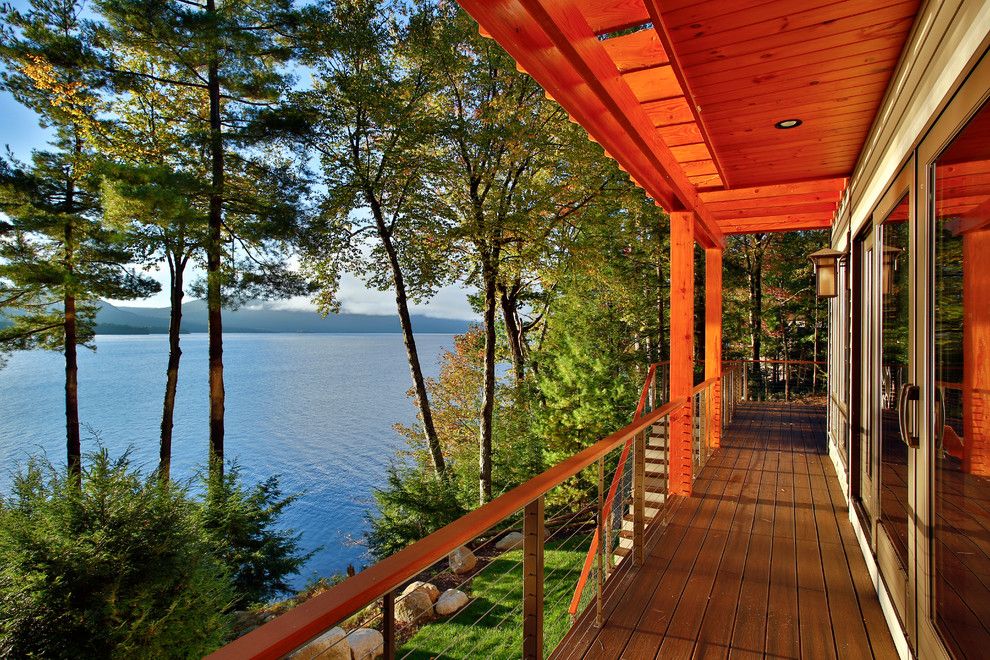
column 491, row 625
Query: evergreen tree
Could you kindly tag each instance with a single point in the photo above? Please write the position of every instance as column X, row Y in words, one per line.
column 227, row 64
column 56, row 259
column 56, row 264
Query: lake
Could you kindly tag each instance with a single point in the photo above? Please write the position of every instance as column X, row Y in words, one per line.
column 317, row 409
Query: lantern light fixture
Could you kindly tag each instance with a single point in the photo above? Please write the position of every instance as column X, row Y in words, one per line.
column 890, row 256
column 826, row 263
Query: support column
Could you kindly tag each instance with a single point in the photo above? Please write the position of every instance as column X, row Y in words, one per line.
column 681, row 348
column 976, row 354
column 713, row 336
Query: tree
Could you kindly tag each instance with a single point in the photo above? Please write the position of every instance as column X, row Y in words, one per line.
column 226, row 62
column 55, row 252
column 81, row 579
column 511, row 170
column 367, row 121
column 152, row 186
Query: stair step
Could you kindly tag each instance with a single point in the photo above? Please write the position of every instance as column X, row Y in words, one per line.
column 648, row 510
column 621, row 551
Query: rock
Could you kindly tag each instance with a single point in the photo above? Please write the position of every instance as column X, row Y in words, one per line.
column 366, row 644
column 510, row 541
column 430, row 589
column 461, row 560
column 331, row 645
column 414, row 607
column 451, row 601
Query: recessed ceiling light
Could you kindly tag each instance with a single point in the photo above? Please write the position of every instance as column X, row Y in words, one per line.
column 788, row 123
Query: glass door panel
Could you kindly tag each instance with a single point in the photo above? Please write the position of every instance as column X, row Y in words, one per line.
column 895, row 291
column 961, row 301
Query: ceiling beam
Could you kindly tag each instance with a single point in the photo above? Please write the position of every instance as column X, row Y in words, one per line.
column 776, row 223
column 553, row 43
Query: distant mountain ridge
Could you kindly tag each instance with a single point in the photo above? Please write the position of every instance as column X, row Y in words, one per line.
column 154, row 320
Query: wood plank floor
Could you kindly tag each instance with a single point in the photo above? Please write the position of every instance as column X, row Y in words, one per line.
column 761, row 561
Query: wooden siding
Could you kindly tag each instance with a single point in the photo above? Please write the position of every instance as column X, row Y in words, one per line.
column 760, row 561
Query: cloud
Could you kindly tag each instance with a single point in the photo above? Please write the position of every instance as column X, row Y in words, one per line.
column 450, row 302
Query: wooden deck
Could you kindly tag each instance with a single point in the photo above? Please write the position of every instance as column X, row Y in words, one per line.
column 760, row 562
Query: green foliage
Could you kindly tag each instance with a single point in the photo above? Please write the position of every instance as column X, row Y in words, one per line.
column 241, row 524
column 117, row 568
column 490, row 626
column 413, row 504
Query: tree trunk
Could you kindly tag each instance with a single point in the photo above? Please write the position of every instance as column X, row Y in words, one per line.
column 754, row 259
column 513, row 332
column 172, row 372
column 409, row 339
column 73, row 444
column 214, row 248
column 489, row 275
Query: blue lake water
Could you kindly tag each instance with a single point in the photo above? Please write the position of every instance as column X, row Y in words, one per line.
column 316, row 409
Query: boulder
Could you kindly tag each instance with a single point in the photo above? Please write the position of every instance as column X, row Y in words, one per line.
column 366, row 644
column 331, row 645
column 510, row 541
column 414, row 607
column 430, row 589
column 451, row 601
column 461, row 560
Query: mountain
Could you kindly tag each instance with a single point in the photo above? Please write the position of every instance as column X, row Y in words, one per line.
column 255, row 318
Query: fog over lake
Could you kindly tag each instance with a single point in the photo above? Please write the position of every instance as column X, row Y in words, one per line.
column 318, row 409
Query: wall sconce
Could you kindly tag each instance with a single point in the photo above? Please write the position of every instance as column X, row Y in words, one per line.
column 890, row 255
column 826, row 263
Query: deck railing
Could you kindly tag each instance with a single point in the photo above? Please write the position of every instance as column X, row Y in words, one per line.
column 534, row 599
column 764, row 380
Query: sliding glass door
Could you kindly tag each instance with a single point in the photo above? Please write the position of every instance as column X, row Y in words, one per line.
column 954, row 596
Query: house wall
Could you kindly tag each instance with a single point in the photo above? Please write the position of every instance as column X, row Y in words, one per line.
column 947, row 40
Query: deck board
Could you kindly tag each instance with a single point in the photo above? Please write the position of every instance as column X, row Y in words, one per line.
column 759, row 561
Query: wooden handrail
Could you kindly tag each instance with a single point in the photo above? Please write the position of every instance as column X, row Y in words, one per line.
column 777, row 361
column 320, row 613
column 702, row 386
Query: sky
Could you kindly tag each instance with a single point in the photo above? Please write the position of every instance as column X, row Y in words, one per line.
column 20, row 132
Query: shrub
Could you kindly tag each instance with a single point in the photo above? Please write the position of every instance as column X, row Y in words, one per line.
column 240, row 523
column 414, row 504
column 114, row 565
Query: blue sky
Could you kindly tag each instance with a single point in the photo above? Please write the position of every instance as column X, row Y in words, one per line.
column 19, row 130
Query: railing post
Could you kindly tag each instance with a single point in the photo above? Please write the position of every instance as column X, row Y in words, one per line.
column 388, row 625
column 639, row 496
column 534, row 538
column 600, row 573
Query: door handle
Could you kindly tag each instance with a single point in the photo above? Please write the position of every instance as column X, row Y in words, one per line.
column 939, row 418
column 908, row 393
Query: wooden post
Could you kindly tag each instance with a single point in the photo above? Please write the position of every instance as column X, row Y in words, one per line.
column 713, row 337
column 600, row 573
column 639, row 496
column 681, row 349
column 534, row 538
column 976, row 354
column 388, row 624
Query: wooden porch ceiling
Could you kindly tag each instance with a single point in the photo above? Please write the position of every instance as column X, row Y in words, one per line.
column 684, row 94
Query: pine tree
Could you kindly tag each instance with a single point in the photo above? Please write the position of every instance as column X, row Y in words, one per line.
column 57, row 259
column 56, row 264
column 226, row 64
